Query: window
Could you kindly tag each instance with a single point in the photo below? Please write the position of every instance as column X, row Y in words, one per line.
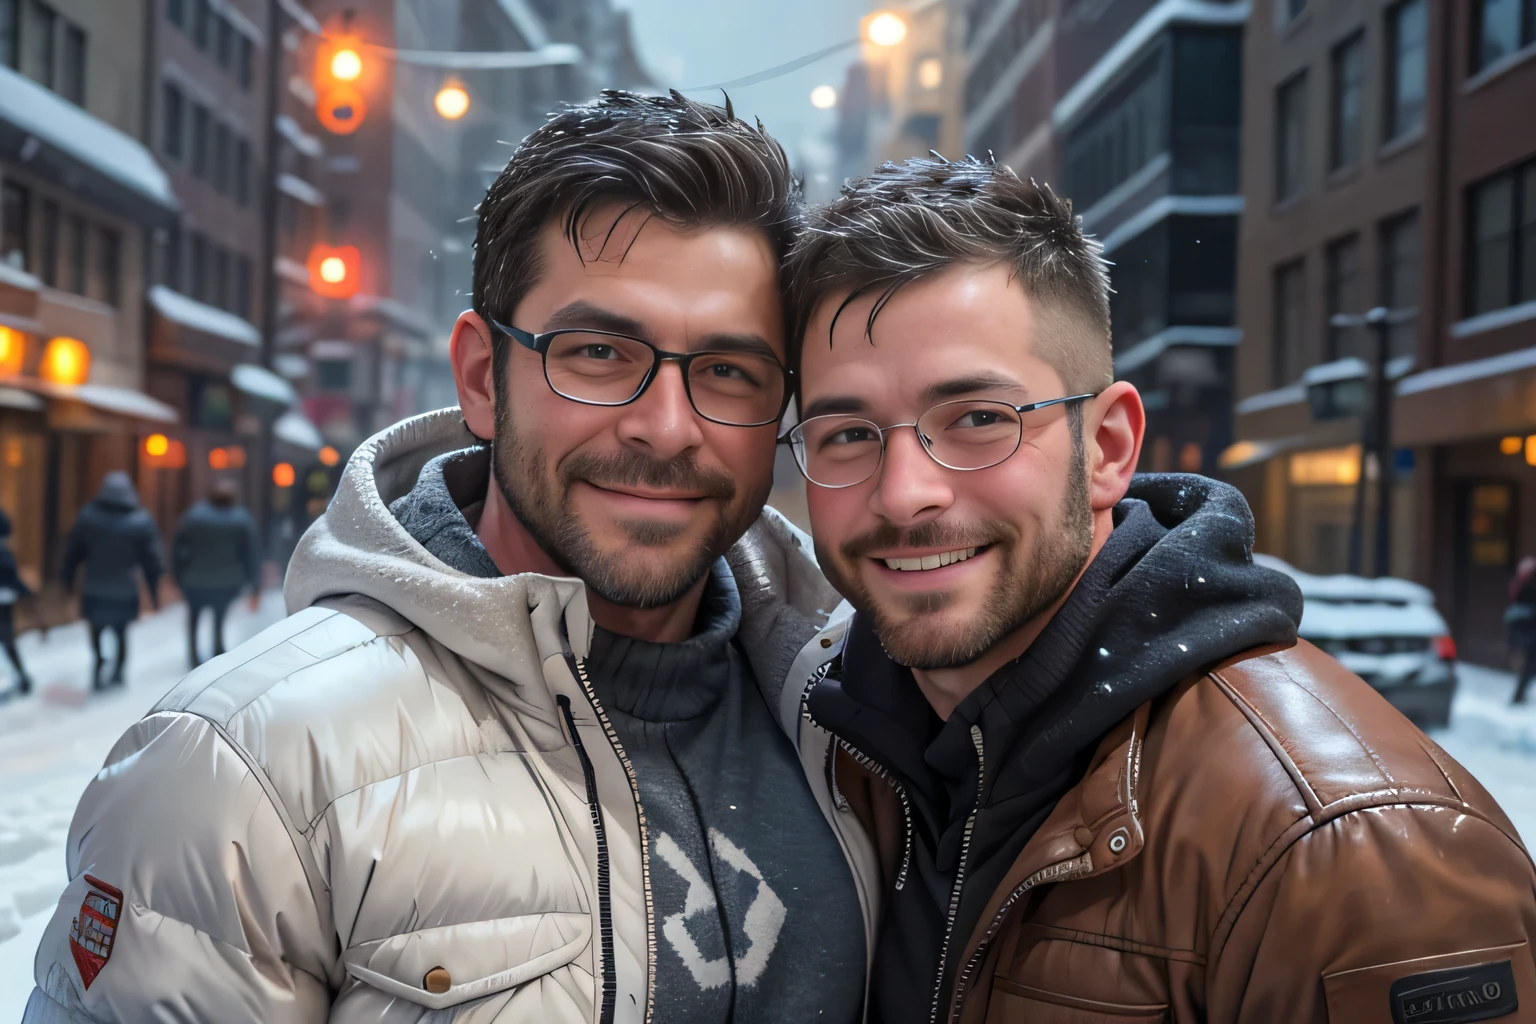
column 1126, row 132
column 1407, row 32
column 1501, row 255
column 242, row 171
column 175, row 122
column 247, row 62
column 10, row 32
column 222, row 145
column 176, row 13
column 1500, row 28
column 72, row 68
column 38, row 34
column 200, row 140
column 240, row 302
column 1348, row 83
column 15, row 224
column 333, row 374
column 174, row 259
column 108, row 253
column 199, row 267
column 1289, row 10
column 77, row 254
column 202, row 23
column 224, row 41
column 1288, row 357
column 1343, row 268
column 48, row 269
column 1290, row 137
column 220, row 293
column 1400, row 277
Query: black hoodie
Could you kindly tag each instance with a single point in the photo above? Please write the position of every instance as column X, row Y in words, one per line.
column 1173, row 590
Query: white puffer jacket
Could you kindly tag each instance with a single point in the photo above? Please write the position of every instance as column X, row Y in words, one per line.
column 402, row 803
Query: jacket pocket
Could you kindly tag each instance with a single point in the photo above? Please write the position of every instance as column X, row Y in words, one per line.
column 1013, row 1003
column 471, row 960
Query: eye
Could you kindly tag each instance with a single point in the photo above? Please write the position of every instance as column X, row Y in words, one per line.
column 725, row 371
column 978, row 418
column 851, row 435
column 598, row 350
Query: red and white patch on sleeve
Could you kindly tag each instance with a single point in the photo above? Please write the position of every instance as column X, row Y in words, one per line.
column 92, row 933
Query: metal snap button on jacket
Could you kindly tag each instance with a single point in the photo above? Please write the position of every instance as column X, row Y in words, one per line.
column 1118, row 841
column 437, row 981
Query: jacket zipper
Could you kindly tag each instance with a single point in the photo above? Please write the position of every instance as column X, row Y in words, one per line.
column 954, row 893
column 604, row 906
column 868, row 764
column 610, row 980
column 1058, row 872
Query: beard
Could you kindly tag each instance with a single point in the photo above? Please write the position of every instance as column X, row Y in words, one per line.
column 545, row 509
column 1029, row 582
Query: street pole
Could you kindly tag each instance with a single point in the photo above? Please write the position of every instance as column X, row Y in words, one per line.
column 1380, row 322
column 270, row 285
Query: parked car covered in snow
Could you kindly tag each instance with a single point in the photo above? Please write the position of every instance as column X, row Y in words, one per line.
column 1387, row 631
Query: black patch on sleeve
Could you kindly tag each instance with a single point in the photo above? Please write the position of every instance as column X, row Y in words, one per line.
column 1455, row 996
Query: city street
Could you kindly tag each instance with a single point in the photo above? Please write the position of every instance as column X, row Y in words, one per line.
column 50, row 745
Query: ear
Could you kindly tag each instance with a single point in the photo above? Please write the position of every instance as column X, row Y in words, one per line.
column 1114, row 423
column 469, row 350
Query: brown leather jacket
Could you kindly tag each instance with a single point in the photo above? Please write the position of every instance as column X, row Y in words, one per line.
column 1270, row 841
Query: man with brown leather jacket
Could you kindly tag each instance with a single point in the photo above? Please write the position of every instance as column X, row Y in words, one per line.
column 1106, row 781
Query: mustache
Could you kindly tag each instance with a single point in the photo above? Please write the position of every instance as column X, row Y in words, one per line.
column 935, row 534
column 625, row 468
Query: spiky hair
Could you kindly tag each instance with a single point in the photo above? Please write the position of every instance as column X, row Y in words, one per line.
column 912, row 219
column 691, row 164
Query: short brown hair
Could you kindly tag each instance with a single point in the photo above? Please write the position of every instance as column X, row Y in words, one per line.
column 908, row 220
column 692, row 164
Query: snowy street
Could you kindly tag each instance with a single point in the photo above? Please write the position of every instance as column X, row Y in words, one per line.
column 54, row 741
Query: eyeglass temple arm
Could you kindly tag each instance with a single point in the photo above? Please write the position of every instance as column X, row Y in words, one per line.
column 523, row 338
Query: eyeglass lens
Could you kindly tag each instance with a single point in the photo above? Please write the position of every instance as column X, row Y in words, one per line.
column 604, row 369
column 840, row 451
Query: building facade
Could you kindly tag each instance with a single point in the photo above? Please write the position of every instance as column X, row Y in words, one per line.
column 1387, row 161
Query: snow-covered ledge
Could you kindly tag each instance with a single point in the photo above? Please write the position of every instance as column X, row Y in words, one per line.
column 200, row 316
column 1495, row 319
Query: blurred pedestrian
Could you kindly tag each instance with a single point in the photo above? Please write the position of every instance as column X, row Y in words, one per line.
column 112, row 537
column 215, row 556
column 12, row 589
column 1520, row 621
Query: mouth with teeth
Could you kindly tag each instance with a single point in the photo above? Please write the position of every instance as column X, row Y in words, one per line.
column 927, row 562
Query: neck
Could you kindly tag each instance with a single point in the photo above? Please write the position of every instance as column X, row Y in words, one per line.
column 945, row 688
column 514, row 550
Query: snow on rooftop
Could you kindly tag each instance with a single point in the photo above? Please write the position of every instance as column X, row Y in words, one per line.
column 263, row 383
column 53, row 119
column 201, row 317
column 1348, row 368
column 1475, row 369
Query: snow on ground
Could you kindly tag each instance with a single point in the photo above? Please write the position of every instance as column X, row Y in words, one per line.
column 53, row 742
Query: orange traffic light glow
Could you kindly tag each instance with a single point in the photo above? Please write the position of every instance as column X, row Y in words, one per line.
column 283, row 474
column 333, row 270
column 329, row 456
column 346, row 65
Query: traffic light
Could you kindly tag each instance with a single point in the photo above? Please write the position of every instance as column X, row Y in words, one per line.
column 334, row 270
column 340, row 70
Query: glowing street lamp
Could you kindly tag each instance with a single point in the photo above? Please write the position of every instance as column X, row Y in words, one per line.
column 930, row 73
column 823, row 97
column 886, row 29
column 452, row 101
column 333, row 270
column 346, row 65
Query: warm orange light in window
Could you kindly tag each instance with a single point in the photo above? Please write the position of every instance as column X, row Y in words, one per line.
column 236, row 456
column 1511, row 445
column 329, row 456
column 218, row 458
column 1530, row 450
column 65, row 361
column 156, row 445
column 12, row 348
column 283, row 474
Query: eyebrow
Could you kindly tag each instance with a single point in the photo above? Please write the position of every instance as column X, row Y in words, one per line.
column 583, row 314
column 846, row 405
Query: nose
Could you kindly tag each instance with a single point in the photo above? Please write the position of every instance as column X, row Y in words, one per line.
column 911, row 488
column 662, row 422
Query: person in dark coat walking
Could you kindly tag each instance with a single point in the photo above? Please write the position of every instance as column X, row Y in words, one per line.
column 12, row 588
column 215, row 556
column 113, row 536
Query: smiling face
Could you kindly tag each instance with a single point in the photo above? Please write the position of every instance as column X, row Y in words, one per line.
column 638, row 500
column 947, row 563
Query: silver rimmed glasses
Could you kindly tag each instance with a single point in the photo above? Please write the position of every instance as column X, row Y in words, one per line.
column 838, row 450
column 741, row 388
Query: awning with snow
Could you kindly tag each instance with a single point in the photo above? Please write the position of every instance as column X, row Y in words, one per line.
column 200, row 316
column 294, row 428
column 261, row 383
column 57, row 140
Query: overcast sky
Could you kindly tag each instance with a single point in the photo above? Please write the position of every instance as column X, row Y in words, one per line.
column 698, row 42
